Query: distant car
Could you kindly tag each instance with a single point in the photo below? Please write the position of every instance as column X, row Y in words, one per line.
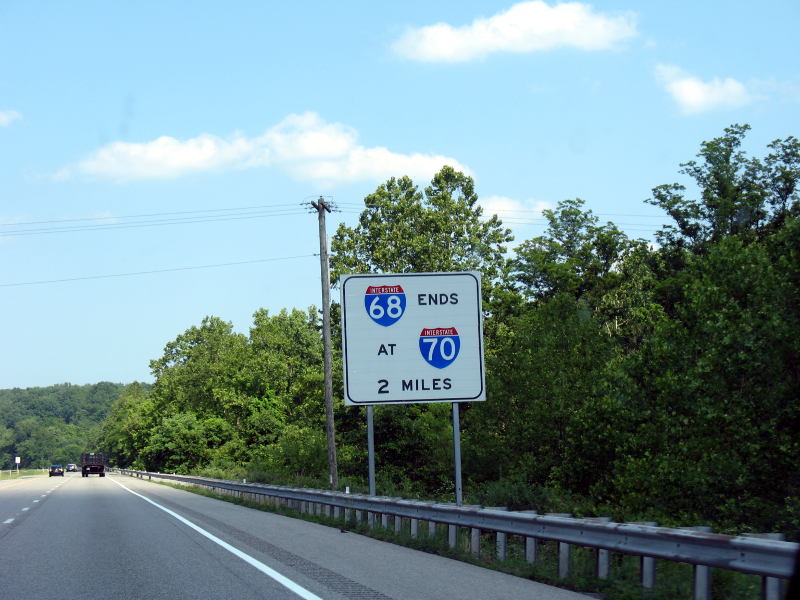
column 72, row 468
column 56, row 470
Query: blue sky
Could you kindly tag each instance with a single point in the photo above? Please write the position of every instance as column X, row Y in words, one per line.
column 139, row 140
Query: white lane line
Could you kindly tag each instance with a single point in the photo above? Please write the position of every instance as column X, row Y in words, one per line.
column 284, row 581
column 35, row 500
column 44, row 495
column 7, row 521
column 26, row 508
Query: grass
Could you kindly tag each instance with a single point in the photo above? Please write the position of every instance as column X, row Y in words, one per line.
column 13, row 474
column 673, row 580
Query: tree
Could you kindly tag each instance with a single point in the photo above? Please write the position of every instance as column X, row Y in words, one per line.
column 548, row 418
column 737, row 195
column 52, row 424
column 125, row 431
column 196, row 364
column 630, row 311
column 287, row 358
column 575, row 256
column 714, row 391
column 403, row 231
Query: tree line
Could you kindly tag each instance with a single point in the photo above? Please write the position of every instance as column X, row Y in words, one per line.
column 653, row 381
column 43, row 425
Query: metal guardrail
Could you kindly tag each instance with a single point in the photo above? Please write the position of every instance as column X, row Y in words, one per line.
column 771, row 559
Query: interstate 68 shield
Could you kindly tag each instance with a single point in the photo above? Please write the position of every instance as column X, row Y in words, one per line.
column 385, row 304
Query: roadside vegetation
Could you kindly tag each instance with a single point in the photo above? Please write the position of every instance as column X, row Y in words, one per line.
column 53, row 424
column 627, row 379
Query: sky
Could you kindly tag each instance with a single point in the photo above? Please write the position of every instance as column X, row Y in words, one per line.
column 157, row 157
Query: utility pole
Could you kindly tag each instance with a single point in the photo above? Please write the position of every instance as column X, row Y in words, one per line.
column 322, row 207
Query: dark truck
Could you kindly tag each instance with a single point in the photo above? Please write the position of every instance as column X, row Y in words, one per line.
column 93, row 462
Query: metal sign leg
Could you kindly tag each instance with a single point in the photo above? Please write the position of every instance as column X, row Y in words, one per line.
column 371, row 450
column 457, row 454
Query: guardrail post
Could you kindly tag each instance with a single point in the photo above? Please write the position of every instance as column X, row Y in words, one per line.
column 564, row 550
column 603, row 563
column 648, row 563
column 701, row 587
column 502, row 537
column 398, row 524
column 531, row 543
column 770, row 586
column 475, row 541
column 431, row 528
column 452, row 536
column 648, row 572
column 384, row 520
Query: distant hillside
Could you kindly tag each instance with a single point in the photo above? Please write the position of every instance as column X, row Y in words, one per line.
column 51, row 424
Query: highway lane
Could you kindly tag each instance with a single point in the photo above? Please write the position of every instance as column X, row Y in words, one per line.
column 90, row 539
column 125, row 538
column 19, row 496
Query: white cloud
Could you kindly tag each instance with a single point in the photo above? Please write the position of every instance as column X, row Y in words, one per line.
column 309, row 148
column 525, row 27
column 515, row 211
column 8, row 116
column 523, row 217
column 165, row 157
column 304, row 145
column 695, row 96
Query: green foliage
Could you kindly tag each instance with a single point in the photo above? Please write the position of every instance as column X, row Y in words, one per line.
column 51, row 424
column 548, row 418
column 575, row 256
column 737, row 195
column 299, row 450
column 640, row 382
column 715, row 391
column 442, row 230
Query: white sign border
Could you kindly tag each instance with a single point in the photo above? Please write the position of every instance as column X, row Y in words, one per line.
column 480, row 396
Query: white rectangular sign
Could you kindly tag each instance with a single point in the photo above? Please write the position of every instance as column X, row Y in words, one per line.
column 412, row 337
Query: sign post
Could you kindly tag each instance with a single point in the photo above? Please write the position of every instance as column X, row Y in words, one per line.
column 412, row 338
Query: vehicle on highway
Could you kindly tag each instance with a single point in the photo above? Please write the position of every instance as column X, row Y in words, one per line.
column 56, row 470
column 93, row 462
column 72, row 468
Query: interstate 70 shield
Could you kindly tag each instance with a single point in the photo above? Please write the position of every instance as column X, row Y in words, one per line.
column 439, row 346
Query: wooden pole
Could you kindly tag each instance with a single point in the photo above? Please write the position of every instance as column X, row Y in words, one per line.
column 322, row 207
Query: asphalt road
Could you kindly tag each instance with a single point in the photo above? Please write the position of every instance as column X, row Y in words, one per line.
column 119, row 537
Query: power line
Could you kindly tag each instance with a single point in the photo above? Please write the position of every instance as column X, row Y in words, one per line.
column 172, row 270
column 152, row 223
column 161, row 214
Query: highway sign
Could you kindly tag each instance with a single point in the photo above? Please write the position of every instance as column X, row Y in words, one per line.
column 412, row 337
